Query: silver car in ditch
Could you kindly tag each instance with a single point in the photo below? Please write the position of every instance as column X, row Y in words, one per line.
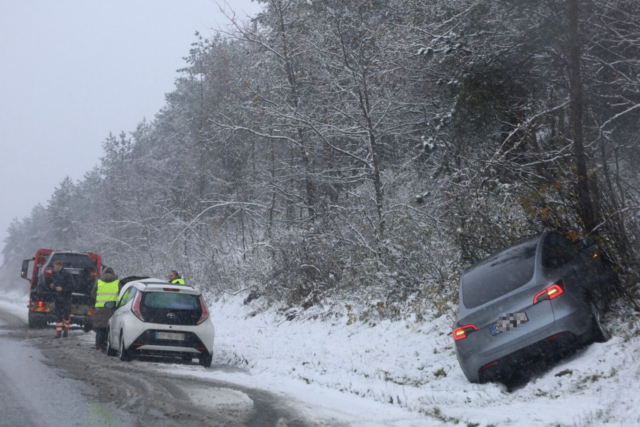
column 527, row 302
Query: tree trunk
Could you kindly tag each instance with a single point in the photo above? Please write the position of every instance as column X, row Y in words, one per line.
column 587, row 213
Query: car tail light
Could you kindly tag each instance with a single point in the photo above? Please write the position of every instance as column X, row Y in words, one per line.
column 135, row 308
column 93, row 273
column 48, row 271
column 171, row 290
column 549, row 293
column 553, row 337
column 463, row 332
column 488, row 365
column 91, row 313
column 205, row 311
column 39, row 306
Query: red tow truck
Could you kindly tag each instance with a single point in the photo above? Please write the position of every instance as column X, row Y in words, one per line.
column 84, row 268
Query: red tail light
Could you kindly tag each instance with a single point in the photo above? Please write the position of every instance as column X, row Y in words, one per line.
column 170, row 290
column 463, row 332
column 48, row 271
column 91, row 313
column 553, row 291
column 135, row 308
column 488, row 365
column 205, row 311
column 93, row 273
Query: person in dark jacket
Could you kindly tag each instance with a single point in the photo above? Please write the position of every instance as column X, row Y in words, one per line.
column 106, row 289
column 62, row 284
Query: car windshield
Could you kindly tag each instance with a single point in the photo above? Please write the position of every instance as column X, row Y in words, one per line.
column 73, row 260
column 171, row 300
column 499, row 274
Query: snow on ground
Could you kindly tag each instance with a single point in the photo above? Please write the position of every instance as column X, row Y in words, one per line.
column 15, row 302
column 412, row 365
column 342, row 371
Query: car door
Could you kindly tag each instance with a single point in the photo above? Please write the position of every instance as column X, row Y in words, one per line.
column 120, row 313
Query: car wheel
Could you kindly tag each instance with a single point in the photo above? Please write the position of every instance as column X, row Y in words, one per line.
column 110, row 349
column 35, row 323
column 598, row 331
column 87, row 327
column 206, row 359
column 123, row 353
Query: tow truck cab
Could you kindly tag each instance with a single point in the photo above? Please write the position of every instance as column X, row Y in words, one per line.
column 84, row 268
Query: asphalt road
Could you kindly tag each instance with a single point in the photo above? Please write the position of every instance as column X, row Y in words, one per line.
column 65, row 382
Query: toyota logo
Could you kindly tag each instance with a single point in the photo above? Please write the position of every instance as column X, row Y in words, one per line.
column 171, row 315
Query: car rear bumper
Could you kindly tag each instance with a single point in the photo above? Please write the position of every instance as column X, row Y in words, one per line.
column 141, row 337
column 76, row 319
column 565, row 332
column 527, row 357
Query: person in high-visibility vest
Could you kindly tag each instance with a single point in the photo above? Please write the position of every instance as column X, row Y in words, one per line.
column 175, row 278
column 106, row 289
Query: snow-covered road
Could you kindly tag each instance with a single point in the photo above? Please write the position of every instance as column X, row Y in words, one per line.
column 335, row 371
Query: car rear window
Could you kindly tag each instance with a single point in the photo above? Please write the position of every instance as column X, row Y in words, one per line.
column 172, row 301
column 499, row 274
column 73, row 260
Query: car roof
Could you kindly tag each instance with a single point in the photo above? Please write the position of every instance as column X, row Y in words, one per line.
column 151, row 284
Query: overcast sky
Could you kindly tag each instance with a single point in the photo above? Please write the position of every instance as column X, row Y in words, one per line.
column 71, row 71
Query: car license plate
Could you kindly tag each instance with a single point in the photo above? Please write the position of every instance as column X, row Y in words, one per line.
column 169, row 336
column 508, row 322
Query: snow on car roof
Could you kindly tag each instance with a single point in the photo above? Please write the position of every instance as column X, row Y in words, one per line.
column 159, row 286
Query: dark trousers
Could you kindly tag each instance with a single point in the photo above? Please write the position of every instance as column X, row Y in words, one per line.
column 101, row 338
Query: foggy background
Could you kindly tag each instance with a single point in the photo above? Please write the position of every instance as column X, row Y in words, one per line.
column 73, row 71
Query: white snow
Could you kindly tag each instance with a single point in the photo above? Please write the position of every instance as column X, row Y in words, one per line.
column 341, row 371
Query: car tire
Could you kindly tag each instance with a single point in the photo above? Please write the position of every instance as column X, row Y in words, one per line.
column 206, row 359
column 110, row 350
column 35, row 323
column 123, row 353
column 88, row 327
column 598, row 332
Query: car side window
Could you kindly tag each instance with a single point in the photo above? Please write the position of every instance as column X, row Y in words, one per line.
column 124, row 298
column 556, row 252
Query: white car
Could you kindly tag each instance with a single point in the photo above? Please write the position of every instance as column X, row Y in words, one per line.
column 154, row 317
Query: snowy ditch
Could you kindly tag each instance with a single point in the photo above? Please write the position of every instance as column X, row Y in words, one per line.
column 404, row 373
column 412, row 365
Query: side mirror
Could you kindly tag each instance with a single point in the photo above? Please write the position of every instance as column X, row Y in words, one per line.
column 24, row 273
column 110, row 304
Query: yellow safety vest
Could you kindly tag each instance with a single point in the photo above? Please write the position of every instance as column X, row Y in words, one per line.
column 178, row 281
column 107, row 291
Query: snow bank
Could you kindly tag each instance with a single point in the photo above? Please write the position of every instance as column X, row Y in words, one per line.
column 412, row 365
column 15, row 302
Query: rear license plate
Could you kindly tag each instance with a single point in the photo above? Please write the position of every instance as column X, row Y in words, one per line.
column 508, row 322
column 169, row 336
